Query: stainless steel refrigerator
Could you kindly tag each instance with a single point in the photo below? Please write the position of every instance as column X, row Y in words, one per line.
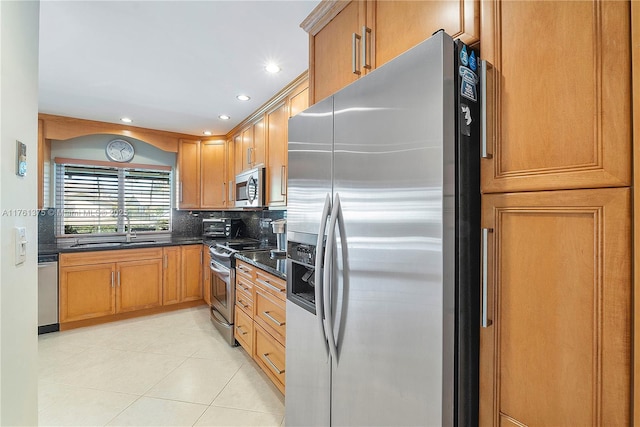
column 383, row 247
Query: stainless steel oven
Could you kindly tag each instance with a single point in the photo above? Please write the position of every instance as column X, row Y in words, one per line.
column 223, row 283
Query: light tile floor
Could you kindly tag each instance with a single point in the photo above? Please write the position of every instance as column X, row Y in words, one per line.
column 170, row 369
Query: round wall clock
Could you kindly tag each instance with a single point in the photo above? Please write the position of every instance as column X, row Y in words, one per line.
column 120, row 150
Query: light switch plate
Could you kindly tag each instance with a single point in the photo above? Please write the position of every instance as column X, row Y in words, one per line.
column 20, row 235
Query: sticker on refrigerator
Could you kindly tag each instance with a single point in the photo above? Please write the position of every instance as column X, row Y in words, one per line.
column 473, row 63
column 465, row 120
column 463, row 56
column 469, row 82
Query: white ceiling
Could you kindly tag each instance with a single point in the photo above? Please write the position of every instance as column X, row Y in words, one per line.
column 170, row 65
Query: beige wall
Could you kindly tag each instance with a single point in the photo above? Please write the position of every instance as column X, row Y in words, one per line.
column 18, row 284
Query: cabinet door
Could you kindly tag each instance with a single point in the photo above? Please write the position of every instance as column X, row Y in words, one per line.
column 139, row 285
column 258, row 150
column 247, row 146
column 212, row 177
column 562, row 98
column 299, row 101
column 206, row 274
column 172, row 275
column 189, row 173
column 558, row 351
column 399, row 25
column 87, row 291
column 332, row 52
column 277, row 170
column 231, row 174
column 238, row 157
column 191, row 272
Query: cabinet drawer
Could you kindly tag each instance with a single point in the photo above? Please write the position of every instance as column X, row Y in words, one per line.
column 272, row 284
column 243, row 330
column 244, row 270
column 243, row 284
column 244, row 301
column 270, row 313
column 270, row 355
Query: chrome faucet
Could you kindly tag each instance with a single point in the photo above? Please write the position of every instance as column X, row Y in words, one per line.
column 128, row 235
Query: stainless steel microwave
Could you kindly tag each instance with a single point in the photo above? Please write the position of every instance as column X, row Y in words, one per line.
column 250, row 188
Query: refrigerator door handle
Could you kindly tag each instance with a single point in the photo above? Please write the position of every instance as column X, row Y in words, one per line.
column 319, row 287
column 336, row 218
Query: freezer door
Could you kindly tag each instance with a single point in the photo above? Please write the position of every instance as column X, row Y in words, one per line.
column 308, row 376
column 310, row 162
column 394, row 174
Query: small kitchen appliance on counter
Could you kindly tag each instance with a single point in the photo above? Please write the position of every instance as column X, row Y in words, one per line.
column 222, row 228
column 279, row 227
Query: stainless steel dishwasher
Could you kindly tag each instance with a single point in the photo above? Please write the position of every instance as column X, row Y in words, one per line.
column 48, row 294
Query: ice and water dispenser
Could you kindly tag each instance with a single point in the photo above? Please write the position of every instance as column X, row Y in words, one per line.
column 301, row 274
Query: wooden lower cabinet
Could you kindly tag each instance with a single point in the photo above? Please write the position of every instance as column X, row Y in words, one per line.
column 260, row 317
column 139, row 285
column 191, row 273
column 105, row 283
column 206, row 275
column 558, row 350
column 172, row 275
column 243, row 324
column 269, row 354
column 86, row 291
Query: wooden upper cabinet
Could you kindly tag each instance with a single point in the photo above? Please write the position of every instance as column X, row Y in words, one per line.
column 213, row 192
column 258, row 150
column 562, row 95
column 400, row 25
column 230, row 173
column 348, row 39
column 558, row 351
column 277, row 142
column 299, row 99
column 189, row 174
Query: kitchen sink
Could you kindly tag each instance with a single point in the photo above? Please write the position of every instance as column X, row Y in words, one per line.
column 99, row 245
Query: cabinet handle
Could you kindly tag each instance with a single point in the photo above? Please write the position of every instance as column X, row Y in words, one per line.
column 242, row 304
column 180, row 191
column 249, row 156
column 231, row 191
column 201, row 256
column 354, row 53
column 273, row 319
column 269, row 285
column 366, row 31
column 112, row 279
column 277, row 370
column 485, row 69
column 224, row 192
column 485, row 321
column 283, row 181
column 239, row 328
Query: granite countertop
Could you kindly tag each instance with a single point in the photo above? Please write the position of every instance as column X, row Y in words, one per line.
column 263, row 260
column 49, row 249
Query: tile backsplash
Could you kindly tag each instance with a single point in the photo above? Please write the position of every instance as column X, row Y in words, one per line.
column 185, row 223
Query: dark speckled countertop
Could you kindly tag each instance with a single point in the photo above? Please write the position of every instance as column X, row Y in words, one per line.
column 263, row 260
column 48, row 249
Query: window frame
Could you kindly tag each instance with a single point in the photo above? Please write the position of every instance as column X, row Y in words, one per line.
column 120, row 172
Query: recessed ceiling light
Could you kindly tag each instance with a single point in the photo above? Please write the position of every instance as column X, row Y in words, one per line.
column 207, row 133
column 243, row 97
column 272, row 68
column 223, row 117
column 126, row 120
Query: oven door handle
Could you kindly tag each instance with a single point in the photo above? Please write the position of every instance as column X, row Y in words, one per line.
column 221, row 272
